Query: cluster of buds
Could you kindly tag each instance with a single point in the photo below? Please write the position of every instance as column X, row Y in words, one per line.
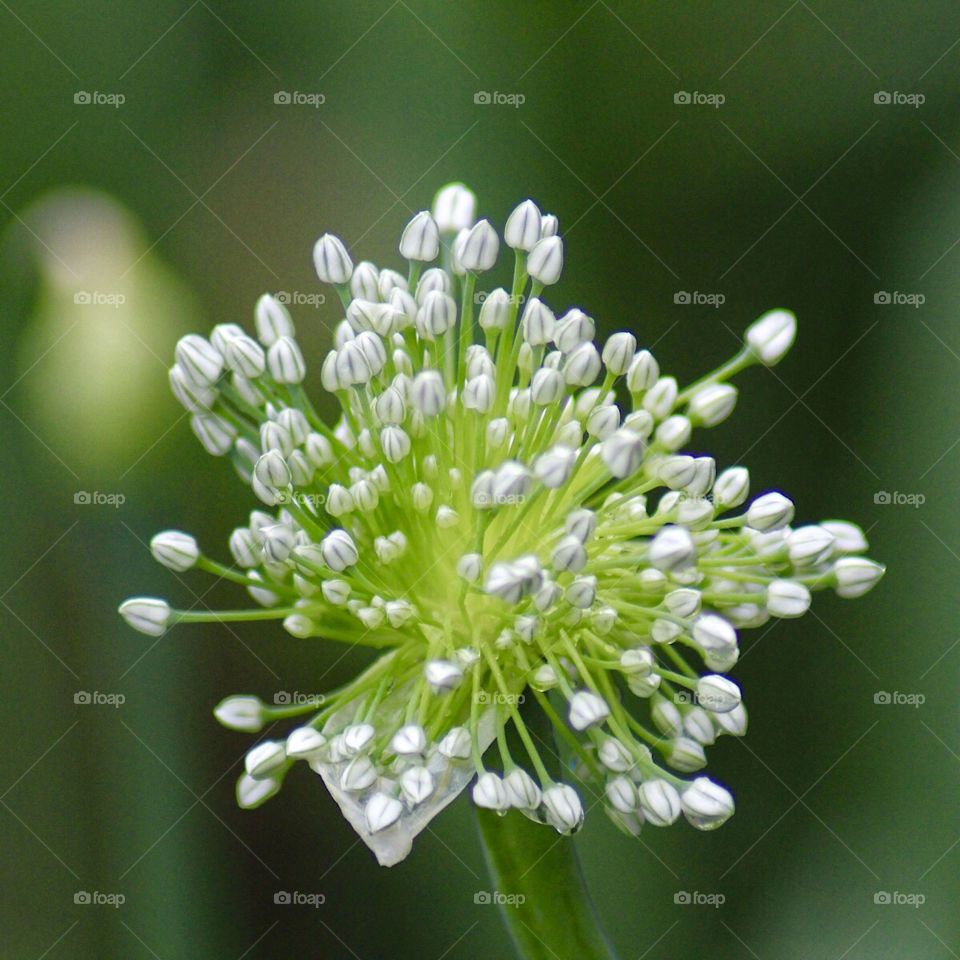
column 504, row 514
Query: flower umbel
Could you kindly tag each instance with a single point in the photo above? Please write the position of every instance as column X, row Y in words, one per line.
column 504, row 513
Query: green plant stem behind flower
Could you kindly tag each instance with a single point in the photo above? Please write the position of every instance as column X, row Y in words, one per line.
column 549, row 913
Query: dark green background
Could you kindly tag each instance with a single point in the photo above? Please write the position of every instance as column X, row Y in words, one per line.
column 799, row 191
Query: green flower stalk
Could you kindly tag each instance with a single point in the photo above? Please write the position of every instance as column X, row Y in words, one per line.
column 503, row 512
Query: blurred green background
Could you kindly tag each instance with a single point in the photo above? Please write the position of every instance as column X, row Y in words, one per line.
column 175, row 209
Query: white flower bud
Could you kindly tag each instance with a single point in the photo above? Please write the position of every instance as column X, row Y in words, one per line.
column 618, row 353
column 495, row 310
column 771, row 336
column 479, row 248
column 285, row 361
column 409, row 741
column 582, row 592
column 587, row 709
column 706, row 805
column 339, row 550
column 731, row 488
column 808, row 546
column 490, row 793
column 454, row 208
column 553, row 468
column 604, row 420
column 264, row 759
column 478, row 393
column 855, row 576
column 521, row 789
column 331, row 260
column 622, row 453
column 712, row 404
column 244, row 714
column 352, row 366
column 447, row 517
column 683, row 602
column 147, row 615
column 615, row 756
column 272, row 320
column 714, row 635
column 175, row 550
column 304, row 743
column 455, row 744
column 442, row 675
column 549, row 225
column 672, row 549
column 659, row 802
column 278, row 542
column 573, row 328
column 357, row 737
column 371, row 346
column 365, row 281
column 436, row 316
column 428, row 393
column 660, row 398
column 685, row 755
column 848, row 537
column 787, row 598
column 422, row 497
column 420, row 239
column 698, row 725
column 522, row 230
column 395, row 443
column 546, row 387
column 569, row 555
column 299, row 626
column 643, row 372
column 382, row 811
column 417, row 784
column 622, row 795
column 545, row 260
column 246, row 357
column 772, row 511
column 538, row 322
column 734, row 722
column 674, row 432
column 251, row 793
column 470, row 566
column 717, row 694
column 562, row 806
column 271, row 470
column 582, row 366
column 193, row 397
column 199, row 359
column 497, row 432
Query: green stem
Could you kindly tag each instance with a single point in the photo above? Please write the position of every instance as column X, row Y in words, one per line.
column 543, row 896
